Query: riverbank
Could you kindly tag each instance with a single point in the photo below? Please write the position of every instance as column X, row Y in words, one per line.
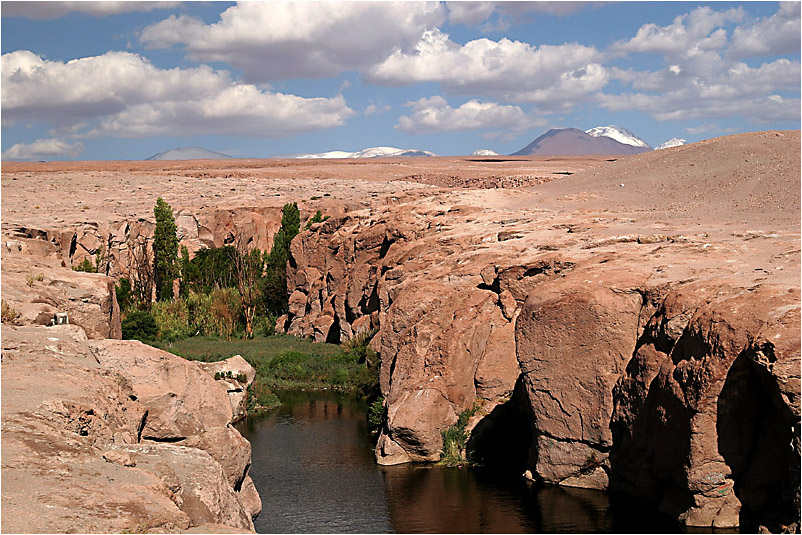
column 285, row 363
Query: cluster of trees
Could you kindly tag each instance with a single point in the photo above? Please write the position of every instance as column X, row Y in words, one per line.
column 219, row 290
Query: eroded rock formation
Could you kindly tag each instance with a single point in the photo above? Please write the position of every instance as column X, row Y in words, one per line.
column 656, row 355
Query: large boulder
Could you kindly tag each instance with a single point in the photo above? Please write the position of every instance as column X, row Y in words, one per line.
column 92, row 449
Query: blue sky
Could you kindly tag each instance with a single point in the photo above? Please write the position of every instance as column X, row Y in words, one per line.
column 126, row 80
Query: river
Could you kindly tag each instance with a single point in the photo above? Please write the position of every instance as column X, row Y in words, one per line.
column 314, row 468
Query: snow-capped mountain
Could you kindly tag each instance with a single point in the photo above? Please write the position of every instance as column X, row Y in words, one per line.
column 372, row 152
column 330, row 154
column 484, row 152
column 673, row 142
column 622, row 135
column 570, row 141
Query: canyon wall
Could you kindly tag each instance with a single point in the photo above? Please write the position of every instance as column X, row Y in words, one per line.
column 115, row 240
column 627, row 353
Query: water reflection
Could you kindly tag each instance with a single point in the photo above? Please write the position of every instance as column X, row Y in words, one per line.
column 314, row 468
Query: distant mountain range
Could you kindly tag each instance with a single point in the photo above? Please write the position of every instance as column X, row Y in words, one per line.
column 484, row 152
column 572, row 141
column 189, row 153
column 372, row 152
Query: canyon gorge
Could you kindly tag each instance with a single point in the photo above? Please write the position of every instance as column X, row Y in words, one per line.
column 629, row 324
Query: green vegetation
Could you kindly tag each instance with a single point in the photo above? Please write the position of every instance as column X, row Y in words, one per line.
column 90, row 267
column 140, row 325
column 285, row 362
column 377, row 415
column 455, row 439
column 317, row 218
column 228, row 303
column 165, row 250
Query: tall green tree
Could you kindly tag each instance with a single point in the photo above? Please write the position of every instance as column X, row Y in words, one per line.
column 273, row 286
column 165, row 249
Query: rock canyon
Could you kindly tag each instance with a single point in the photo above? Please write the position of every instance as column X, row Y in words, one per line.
column 630, row 324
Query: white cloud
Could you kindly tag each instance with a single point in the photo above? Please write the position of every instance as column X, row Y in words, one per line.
column 778, row 34
column 435, row 115
column 373, row 109
column 510, row 70
column 688, row 35
column 279, row 40
column 700, row 79
column 54, row 10
column 130, row 97
column 43, row 149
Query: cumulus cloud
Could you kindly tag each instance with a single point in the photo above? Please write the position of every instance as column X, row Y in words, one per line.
column 701, row 78
column 279, row 40
column 124, row 95
column 739, row 90
column 688, row 35
column 509, row 70
column 434, row 114
column 778, row 34
column 54, row 10
column 43, row 149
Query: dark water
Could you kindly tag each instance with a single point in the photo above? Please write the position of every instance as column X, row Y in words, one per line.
column 314, row 468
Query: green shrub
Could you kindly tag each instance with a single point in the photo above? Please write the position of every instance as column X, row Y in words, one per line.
column 317, row 218
column 377, row 415
column 172, row 317
column 357, row 347
column 455, row 439
column 86, row 266
column 140, row 325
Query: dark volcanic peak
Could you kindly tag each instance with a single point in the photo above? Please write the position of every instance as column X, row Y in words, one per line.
column 189, row 153
column 572, row 141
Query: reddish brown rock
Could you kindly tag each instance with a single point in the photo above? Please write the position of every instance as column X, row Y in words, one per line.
column 38, row 287
column 182, row 400
column 75, row 456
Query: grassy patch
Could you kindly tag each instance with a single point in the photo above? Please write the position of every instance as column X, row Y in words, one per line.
column 285, row 362
column 455, row 439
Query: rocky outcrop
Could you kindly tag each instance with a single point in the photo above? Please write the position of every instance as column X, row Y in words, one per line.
column 119, row 437
column 629, row 353
column 113, row 242
column 37, row 286
column 236, row 375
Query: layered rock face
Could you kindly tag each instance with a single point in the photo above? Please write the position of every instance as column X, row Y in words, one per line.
column 657, row 352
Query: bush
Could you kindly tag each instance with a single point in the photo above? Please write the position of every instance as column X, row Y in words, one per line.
column 455, row 439
column 377, row 415
column 225, row 310
column 86, row 266
column 172, row 318
column 357, row 347
column 317, row 218
column 140, row 325
column 9, row 315
column 30, row 278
